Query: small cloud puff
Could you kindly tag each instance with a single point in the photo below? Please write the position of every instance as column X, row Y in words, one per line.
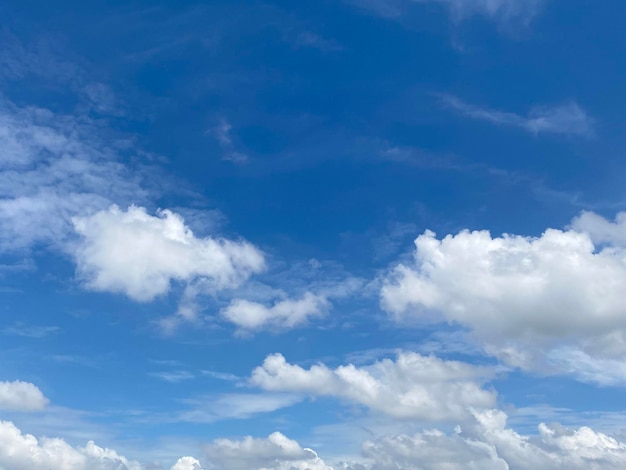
column 139, row 255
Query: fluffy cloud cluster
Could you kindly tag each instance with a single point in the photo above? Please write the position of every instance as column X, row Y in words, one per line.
column 276, row 452
column 20, row 451
column 21, row 396
column 249, row 316
column 555, row 302
column 484, row 442
column 412, row 386
column 488, row 443
column 137, row 254
column 25, row 452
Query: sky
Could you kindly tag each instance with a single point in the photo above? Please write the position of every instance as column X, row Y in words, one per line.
column 316, row 235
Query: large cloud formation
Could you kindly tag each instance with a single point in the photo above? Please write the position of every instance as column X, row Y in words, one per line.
column 552, row 303
column 137, row 254
column 485, row 442
column 25, row 452
column 412, row 386
column 488, row 443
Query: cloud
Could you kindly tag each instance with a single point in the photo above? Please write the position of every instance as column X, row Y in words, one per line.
column 601, row 230
column 483, row 442
column 222, row 133
column 235, row 406
column 276, row 452
column 102, row 99
column 25, row 452
column 541, row 303
column 187, row 463
column 21, row 396
column 54, row 167
column 139, row 255
column 312, row 40
column 30, row 331
column 173, row 376
column 565, row 119
column 503, row 11
column 411, row 387
column 499, row 10
column 488, row 443
column 250, row 316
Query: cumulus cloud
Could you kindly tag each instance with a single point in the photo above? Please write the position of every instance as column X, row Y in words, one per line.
column 21, row 396
column 187, row 463
column 600, row 230
column 535, row 302
column 137, row 254
column 567, row 119
column 25, row 452
column 412, row 386
column 249, row 316
column 488, row 443
column 21, row 451
column 276, row 452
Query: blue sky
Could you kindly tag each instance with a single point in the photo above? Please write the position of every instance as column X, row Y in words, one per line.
column 323, row 235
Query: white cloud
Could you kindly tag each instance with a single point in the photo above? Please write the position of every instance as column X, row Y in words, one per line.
column 276, row 452
column 600, row 230
column 568, row 118
column 21, row 396
column 536, row 302
column 137, row 254
column 25, row 452
column 488, row 443
column 187, row 463
column 284, row 314
column 412, row 386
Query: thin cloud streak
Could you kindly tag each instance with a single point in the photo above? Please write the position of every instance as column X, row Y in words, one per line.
column 565, row 119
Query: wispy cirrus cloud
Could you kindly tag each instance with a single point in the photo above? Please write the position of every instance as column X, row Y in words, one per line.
column 565, row 119
column 29, row 331
column 55, row 166
column 175, row 376
column 209, row 409
column 222, row 133
column 503, row 11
